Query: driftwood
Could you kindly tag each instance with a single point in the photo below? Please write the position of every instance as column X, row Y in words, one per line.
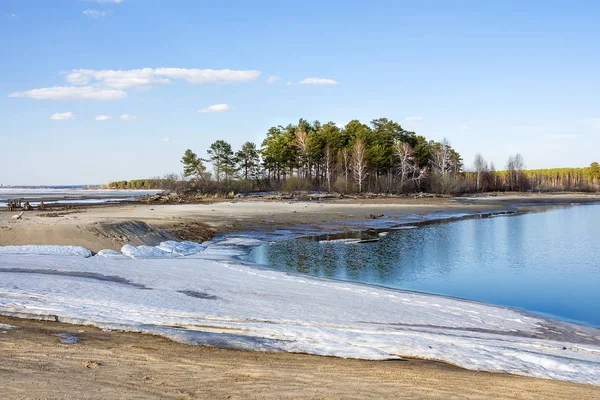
column 13, row 204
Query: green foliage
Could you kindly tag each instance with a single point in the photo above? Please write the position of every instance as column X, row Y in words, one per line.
column 248, row 159
column 363, row 158
column 192, row 165
column 223, row 160
column 147, row 184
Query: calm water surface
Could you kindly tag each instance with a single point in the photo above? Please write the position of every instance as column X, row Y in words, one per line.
column 547, row 262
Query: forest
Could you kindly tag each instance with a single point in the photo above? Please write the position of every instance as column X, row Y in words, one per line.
column 380, row 157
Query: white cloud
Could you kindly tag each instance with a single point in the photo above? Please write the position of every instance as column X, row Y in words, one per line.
column 118, row 79
column 115, row 79
column 217, row 108
column 102, row 117
column 289, row 83
column 414, row 118
column 63, row 116
column 166, row 139
column 208, row 75
column 72, row 93
column 464, row 127
column 127, row 117
column 95, row 13
column 13, row 15
column 106, row 1
column 273, row 79
column 89, row 84
column 317, row 81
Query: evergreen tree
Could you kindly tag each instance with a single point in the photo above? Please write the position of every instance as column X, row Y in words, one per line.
column 192, row 165
column 248, row 159
column 221, row 156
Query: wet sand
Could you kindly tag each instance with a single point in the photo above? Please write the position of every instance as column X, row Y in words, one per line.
column 115, row 365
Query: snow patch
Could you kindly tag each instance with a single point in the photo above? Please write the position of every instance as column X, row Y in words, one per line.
column 145, row 252
column 185, row 248
column 46, row 250
column 208, row 295
column 109, row 253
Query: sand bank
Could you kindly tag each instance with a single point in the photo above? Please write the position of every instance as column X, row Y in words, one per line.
column 110, row 227
column 34, row 364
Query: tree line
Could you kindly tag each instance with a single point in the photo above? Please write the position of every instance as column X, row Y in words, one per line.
column 379, row 157
column 483, row 177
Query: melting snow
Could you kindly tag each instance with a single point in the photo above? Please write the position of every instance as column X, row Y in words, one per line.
column 109, row 253
column 146, row 252
column 181, row 248
column 208, row 295
column 46, row 250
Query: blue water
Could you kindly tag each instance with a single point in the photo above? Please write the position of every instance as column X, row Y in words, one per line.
column 545, row 262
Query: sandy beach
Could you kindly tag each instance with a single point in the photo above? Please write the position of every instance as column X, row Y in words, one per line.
column 112, row 365
column 109, row 227
column 34, row 364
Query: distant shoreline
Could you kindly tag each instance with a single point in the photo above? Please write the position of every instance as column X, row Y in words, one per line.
column 105, row 226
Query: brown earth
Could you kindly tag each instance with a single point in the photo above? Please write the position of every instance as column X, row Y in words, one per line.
column 117, row 365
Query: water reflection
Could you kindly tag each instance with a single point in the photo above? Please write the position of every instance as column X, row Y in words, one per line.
column 543, row 262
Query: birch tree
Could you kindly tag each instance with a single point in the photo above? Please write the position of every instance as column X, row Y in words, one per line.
column 328, row 166
column 481, row 167
column 442, row 157
column 405, row 155
column 301, row 144
column 346, row 164
column 359, row 163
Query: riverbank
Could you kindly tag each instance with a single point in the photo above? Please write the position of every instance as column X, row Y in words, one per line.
column 414, row 325
column 34, row 364
column 111, row 226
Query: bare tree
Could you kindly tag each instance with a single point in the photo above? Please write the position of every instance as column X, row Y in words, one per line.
column 406, row 166
column 442, row 157
column 481, row 167
column 494, row 176
column 346, row 162
column 515, row 166
column 301, row 144
column 359, row 163
column 328, row 160
column 519, row 166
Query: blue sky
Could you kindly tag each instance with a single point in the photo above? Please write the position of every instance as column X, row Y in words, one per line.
column 493, row 77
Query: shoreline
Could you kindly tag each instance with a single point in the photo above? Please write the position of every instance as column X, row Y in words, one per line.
column 128, row 365
column 110, row 226
column 281, row 218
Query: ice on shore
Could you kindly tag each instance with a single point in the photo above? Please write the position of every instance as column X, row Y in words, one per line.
column 109, row 253
column 145, row 252
column 185, row 248
column 253, row 308
column 46, row 250
column 240, row 241
column 167, row 249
